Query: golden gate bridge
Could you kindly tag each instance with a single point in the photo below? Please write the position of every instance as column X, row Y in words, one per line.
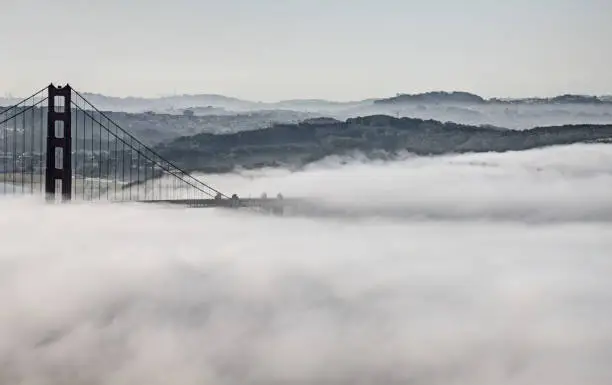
column 58, row 145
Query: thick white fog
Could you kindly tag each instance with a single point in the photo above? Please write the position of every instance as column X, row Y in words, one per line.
column 558, row 183
column 472, row 269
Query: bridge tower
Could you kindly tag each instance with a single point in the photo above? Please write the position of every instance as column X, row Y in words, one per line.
column 59, row 143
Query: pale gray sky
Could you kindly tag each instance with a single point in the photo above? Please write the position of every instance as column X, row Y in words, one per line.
column 335, row 49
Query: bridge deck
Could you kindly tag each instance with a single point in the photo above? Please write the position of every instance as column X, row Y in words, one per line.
column 242, row 202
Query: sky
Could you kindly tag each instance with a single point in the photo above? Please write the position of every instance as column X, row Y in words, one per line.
column 270, row 50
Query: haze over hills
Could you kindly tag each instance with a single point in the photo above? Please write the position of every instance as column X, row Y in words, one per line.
column 379, row 136
column 189, row 100
column 180, row 102
column 153, row 128
column 218, row 134
column 222, row 114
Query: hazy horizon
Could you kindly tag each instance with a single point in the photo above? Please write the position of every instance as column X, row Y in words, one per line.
column 347, row 100
column 7, row 95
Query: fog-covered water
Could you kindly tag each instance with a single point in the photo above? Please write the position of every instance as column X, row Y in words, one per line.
column 471, row 269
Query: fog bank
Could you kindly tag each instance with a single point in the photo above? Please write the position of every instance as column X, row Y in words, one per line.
column 562, row 183
column 140, row 294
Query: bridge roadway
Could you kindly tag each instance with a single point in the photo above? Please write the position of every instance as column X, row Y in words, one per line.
column 274, row 205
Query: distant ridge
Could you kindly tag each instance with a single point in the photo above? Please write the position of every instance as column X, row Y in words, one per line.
column 457, row 97
column 295, row 145
column 198, row 100
column 184, row 101
column 434, row 97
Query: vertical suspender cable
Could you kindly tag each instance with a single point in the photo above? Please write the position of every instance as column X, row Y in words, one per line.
column 99, row 158
column 23, row 149
column 5, row 160
column 31, row 158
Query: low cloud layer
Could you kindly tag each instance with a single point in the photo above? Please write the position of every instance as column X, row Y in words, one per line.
column 103, row 294
column 559, row 183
